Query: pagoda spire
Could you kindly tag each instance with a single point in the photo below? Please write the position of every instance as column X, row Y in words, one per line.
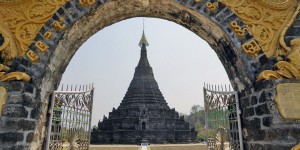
column 143, row 82
column 143, row 68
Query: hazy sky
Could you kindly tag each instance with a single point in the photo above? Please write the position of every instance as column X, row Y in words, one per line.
column 181, row 63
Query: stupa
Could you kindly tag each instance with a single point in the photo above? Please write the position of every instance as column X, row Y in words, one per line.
column 143, row 113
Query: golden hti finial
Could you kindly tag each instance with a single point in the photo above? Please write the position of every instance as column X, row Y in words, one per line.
column 143, row 39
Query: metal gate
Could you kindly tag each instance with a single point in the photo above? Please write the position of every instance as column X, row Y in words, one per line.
column 222, row 118
column 70, row 118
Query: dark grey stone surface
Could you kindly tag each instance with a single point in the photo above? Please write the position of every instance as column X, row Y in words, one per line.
column 11, row 137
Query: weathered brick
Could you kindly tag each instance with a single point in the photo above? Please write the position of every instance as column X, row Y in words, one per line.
column 277, row 134
column 16, row 86
column 262, row 97
column 35, row 112
column 254, row 131
column 277, row 146
column 28, row 100
column 28, row 88
column 11, row 137
column 20, row 125
column 244, row 102
column 29, row 137
column 14, row 111
column 266, row 96
column 267, row 121
column 16, row 147
column 14, row 99
column 248, row 112
column 253, row 100
column 262, row 109
column 256, row 147
column 295, row 133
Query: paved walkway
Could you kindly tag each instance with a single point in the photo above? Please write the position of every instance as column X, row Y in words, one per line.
column 144, row 148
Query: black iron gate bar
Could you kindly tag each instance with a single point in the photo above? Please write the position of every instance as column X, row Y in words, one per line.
column 71, row 113
column 222, row 110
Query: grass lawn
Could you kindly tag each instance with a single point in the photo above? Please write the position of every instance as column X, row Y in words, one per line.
column 153, row 147
column 114, row 148
column 197, row 147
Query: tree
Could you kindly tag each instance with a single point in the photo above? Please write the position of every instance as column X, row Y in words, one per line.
column 196, row 108
column 196, row 118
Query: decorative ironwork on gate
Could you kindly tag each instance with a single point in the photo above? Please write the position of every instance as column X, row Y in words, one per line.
column 222, row 118
column 70, row 118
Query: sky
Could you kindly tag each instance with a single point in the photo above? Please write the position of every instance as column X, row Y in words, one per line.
column 181, row 62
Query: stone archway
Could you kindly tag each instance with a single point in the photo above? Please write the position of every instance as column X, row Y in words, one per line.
column 221, row 24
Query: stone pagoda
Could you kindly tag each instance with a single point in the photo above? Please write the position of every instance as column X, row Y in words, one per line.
column 143, row 113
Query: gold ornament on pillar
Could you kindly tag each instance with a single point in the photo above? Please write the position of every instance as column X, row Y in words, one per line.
column 2, row 98
column 20, row 22
column 265, row 19
column 268, row 22
column 8, row 51
column 290, row 67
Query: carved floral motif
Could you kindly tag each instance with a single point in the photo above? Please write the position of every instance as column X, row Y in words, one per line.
column 8, row 47
column 286, row 68
column 25, row 20
column 265, row 19
column 20, row 22
column 10, row 1
column 4, row 76
column 268, row 21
